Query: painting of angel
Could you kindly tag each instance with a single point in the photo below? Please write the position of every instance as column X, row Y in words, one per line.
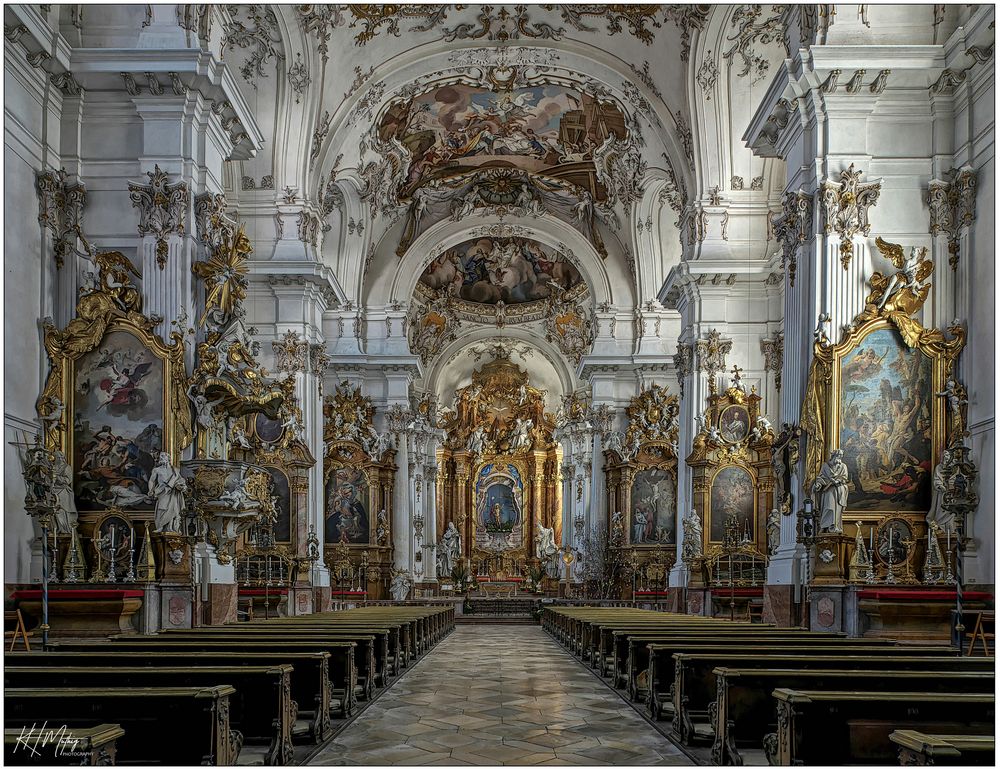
column 117, row 424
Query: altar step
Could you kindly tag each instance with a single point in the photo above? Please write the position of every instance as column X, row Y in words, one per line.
column 486, row 619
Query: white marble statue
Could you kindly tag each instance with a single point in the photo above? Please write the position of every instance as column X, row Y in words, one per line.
column 166, row 488
column 238, row 436
column 938, row 514
column 400, row 585
column 830, row 491
column 773, row 531
column 761, row 428
column 449, row 550
column 62, row 486
column 522, row 434
column 692, row 534
column 477, row 441
column 545, row 543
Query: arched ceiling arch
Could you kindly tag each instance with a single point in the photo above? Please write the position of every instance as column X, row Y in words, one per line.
column 393, row 279
column 452, row 369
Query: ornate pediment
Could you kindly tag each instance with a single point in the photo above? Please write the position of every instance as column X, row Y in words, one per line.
column 499, row 412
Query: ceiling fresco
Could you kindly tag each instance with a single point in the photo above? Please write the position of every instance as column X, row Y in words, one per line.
column 491, row 270
column 543, row 129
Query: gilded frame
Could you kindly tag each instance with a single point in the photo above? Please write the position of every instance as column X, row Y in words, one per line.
column 822, row 406
column 329, row 468
column 709, row 508
column 111, row 305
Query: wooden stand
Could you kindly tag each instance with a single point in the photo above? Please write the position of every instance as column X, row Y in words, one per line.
column 830, row 559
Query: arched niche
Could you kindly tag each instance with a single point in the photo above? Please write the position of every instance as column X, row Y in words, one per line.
column 393, row 279
column 452, row 369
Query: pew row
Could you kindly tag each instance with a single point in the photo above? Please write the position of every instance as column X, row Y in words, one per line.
column 199, row 714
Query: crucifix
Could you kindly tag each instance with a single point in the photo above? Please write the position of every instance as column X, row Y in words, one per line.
column 736, row 376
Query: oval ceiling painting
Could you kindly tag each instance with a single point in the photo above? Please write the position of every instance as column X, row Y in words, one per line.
column 546, row 129
column 509, row 270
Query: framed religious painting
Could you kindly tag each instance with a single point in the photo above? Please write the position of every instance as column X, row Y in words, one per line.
column 886, row 417
column 883, row 396
column 732, row 501
column 499, row 503
column 653, row 508
column 282, row 490
column 347, row 506
column 115, row 395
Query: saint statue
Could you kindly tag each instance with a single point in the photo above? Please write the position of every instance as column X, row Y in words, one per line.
column 692, row 535
column 166, row 488
column 773, row 531
column 545, row 543
column 400, row 585
column 830, row 490
column 62, row 486
column 939, row 486
column 449, row 549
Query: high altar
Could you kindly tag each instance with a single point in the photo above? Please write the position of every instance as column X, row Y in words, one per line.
column 499, row 483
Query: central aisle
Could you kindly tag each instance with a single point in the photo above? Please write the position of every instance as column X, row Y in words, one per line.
column 499, row 694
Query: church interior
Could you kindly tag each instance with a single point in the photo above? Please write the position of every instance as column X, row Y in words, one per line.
column 499, row 384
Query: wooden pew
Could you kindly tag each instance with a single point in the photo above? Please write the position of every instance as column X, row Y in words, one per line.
column 743, row 710
column 662, row 674
column 368, row 651
column 694, row 686
column 261, row 708
column 84, row 746
column 632, row 651
column 310, row 681
column 341, row 670
column 165, row 725
column 850, row 727
column 919, row 749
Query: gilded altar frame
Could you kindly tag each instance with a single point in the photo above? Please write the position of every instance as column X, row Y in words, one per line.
column 894, row 304
column 726, row 444
column 110, row 305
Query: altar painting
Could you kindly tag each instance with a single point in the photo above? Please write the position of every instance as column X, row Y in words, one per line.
column 732, row 494
column 346, row 512
column 458, row 127
column 654, row 508
column 499, row 497
column 283, row 507
column 886, row 402
column 118, row 408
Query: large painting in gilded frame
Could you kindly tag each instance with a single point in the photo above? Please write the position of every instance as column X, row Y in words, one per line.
column 884, row 409
column 653, row 503
column 347, row 506
column 118, row 398
column 733, row 492
column 499, row 498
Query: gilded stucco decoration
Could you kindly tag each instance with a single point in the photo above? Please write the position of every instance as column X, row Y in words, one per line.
column 163, row 208
column 569, row 326
column 952, row 205
column 60, row 210
column 792, row 227
column 845, row 208
column 893, row 302
column 433, row 325
column 712, row 354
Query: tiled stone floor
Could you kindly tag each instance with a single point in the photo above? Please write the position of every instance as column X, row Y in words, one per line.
column 492, row 695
